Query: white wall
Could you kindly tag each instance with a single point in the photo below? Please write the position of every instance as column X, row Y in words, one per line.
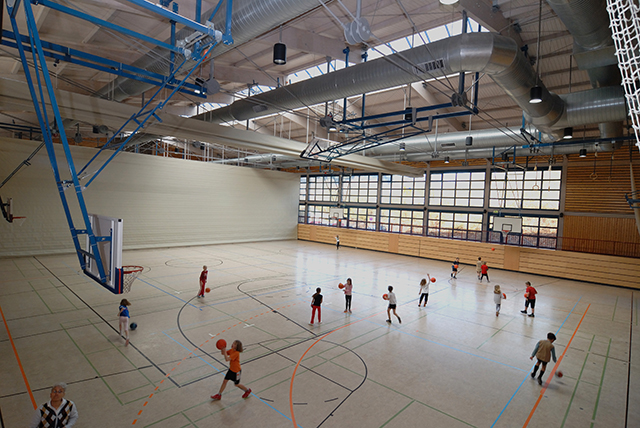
column 163, row 201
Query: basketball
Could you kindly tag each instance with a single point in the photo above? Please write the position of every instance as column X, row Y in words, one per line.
column 433, row 279
column 133, row 326
column 385, row 296
column 559, row 373
column 206, row 290
column 341, row 286
column 493, row 249
column 221, row 344
column 455, row 266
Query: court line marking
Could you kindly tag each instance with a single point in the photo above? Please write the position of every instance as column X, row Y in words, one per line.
column 555, row 367
column 524, row 380
column 193, row 353
column 15, row 352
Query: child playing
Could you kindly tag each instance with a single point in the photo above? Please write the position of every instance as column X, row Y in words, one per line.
column 497, row 298
column 347, row 297
column 424, row 290
column 392, row 305
column 123, row 313
column 530, row 299
column 454, row 268
column 203, row 281
column 233, row 374
column 543, row 351
column 479, row 267
column 337, row 242
column 316, row 301
column 484, row 269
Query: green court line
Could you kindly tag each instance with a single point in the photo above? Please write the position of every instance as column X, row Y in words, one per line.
column 60, row 289
column 604, row 368
column 419, row 402
column 400, row 411
column 41, row 299
column 614, row 309
column 92, row 366
column 496, row 332
column 141, row 372
column 575, row 389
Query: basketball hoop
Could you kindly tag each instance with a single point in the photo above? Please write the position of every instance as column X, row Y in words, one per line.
column 129, row 274
column 18, row 220
column 504, row 235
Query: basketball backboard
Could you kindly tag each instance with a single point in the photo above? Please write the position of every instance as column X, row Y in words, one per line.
column 108, row 232
column 511, row 224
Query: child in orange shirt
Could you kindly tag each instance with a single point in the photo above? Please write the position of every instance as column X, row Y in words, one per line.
column 233, row 374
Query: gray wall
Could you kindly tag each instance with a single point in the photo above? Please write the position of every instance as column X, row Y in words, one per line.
column 163, row 201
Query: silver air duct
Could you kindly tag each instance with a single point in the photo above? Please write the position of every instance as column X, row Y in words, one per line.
column 250, row 19
column 593, row 48
column 489, row 53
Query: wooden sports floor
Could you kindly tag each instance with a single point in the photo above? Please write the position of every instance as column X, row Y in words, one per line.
column 451, row 364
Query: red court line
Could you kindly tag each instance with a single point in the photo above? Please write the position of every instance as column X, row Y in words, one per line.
column 191, row 353
column 553, row 371
column 293, row 417
column 15, row 351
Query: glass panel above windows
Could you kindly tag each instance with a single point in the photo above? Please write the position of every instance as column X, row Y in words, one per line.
column 402, row 190
column 528, row 190
column 457, row 189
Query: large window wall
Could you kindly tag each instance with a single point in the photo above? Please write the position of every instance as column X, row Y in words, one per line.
column 444, row 204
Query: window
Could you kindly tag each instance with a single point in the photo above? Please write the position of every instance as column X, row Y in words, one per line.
column 362, row 218
column 398, row 189
column 535, row 189
column 303, row 188
column 360, row 189
column 323, row 188
column 319, row 215
column 455, row 225
column 457, row 189
column 301, row 214
column 402, row 221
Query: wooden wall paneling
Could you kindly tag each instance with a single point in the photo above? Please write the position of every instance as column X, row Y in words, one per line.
column 603, row 192
column 601, row 228
column 612, row 270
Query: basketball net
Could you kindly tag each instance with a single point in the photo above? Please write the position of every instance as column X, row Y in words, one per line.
column 505, row 233
column 129, row 274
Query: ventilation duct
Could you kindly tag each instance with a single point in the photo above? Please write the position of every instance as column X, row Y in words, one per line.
column 489, row 53
column 593, row 48
column 250, row 19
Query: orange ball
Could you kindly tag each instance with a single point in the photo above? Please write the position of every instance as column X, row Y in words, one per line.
column 221, row 344
column 493, row 249
column 433, row 279
column 341, row 286
column 207, row 290
column 385, row 296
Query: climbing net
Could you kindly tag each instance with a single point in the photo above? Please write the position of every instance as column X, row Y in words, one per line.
column 624, row 16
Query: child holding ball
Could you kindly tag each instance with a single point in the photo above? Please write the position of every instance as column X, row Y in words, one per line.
column 233, row 374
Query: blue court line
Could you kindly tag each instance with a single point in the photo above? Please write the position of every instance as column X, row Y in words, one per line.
column 198, row 356
column 519, row 386
column 169, row 294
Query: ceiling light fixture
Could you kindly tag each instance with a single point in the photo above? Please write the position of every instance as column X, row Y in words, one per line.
column 448, row 2
column 402, row 147
column 446, row 159
column 280, row 51
column 536, row 92
column 568, row 133
column 583, row 153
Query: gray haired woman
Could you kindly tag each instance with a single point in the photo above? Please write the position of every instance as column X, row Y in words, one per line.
column 58, row 412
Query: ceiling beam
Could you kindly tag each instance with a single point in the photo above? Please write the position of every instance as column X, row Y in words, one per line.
column 15, row 96
column 491, row 18
column 225, row 73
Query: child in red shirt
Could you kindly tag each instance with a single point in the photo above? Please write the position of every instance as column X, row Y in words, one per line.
column 203, row 281
column 484, row 269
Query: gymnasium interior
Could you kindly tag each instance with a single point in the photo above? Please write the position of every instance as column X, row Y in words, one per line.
column 288, row 145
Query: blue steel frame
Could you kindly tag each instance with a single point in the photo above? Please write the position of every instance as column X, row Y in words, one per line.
column 35, row 46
